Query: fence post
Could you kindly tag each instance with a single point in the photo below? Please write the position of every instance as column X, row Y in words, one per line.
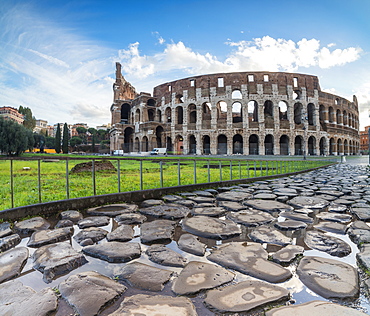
column 11, row 183
column 247, row 168
column 161, row 174
column 267, row 168
column 231, row 170
column 119, row 175
column 220, row 167
column 240, row 171
column 195, row 171
column 255, row 169
column 261, row 168
column 178, row 173
column 67, row 179
column 39, row 178
column 93, row 176
column 141, row 174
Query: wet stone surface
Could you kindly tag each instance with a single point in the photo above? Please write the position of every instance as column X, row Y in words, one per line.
column 208, row 252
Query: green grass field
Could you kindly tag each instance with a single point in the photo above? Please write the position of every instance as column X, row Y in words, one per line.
column 175, row 171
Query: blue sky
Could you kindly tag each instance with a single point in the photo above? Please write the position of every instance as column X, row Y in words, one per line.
column 58, row 57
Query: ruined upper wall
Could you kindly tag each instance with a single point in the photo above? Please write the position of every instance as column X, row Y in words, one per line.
column 236, row 80
column 123, row 90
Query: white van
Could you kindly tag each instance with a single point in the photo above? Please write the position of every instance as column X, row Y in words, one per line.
column 158, row 151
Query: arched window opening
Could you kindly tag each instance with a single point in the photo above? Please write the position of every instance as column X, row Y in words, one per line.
column 180, row 115
column 311, row 114
column 237, row 112
column 312, row 145
column 206, row 110
column 222, row 111
column 283, row 111
column 150, row 102
column 137, row 116
column 336, row 101
column 221, row 145
column 168, row 114
column 145, row 144
column 151, row 115
column 125, row 113
column 339, row 117
column 331, row 146
column 206, row 145
column 345, row 147
column 236, row 94
column 298, row 148
column 268, row 111
column 297, row 113
column 169, row 145
column 252, row 111
column 339, row 147
column 345, row 118
column 159, row 116
column 322, row 146
column 284, row 145
column 179, row 98
column 137, row 145
column 192, row 110
column 322, row 113
column 159, row 134
column 237, row 144
column 179, row 145
column 253, row 145
column 269, row 145
column 128, row 140
column 192, row 145
column 297, row 95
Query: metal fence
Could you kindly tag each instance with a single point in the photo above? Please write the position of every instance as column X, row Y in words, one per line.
column 33, row 180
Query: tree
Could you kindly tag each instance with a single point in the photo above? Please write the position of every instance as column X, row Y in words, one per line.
column 75, row 141
column 93, row 143
column 82, row 133
column 29, row 120
column 14, row 138
column 58, row 140
column 65, row 139
column 49, row 142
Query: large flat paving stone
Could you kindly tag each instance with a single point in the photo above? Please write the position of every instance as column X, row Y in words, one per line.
column 112, row 210
column 144, row 277
column 167, row 211
column 359, row 232
column 210, row 227
column 268, row 206
column 121, row 233
column 94, row 234
column 245, row 296
column 114, row 251
column 250, row 217
column 334, row 217
column 9, row 242
column 331, row 227
column 5, row 229
column 290, row 225
column 17, row 299
column 130, row 219
column 27, row 227
column 93, row 221
column 287, row 254
column 49, row 236
column 161, row 230
column 197, row 276
column 362, row 213
column 191, row 244
column 314, row 308
column 312, row 202
column 234, row 196
column 249, row 259
column 363, row 257
column 297, row 216
column 208, row 211
column 142, row 304
column 165, row 256
column 266, row 234
column 71, row 215
column 12, row 262
column 90, row 292
column 57, row 259
column 232, row 206
column 329, row 244
column 329, row 278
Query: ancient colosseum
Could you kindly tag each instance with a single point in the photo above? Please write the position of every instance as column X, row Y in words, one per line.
column 249, row 113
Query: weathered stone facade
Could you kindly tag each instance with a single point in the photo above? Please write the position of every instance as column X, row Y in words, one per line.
column 250, row 113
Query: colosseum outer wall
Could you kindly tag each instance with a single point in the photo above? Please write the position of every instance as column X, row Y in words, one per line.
column 250, row 113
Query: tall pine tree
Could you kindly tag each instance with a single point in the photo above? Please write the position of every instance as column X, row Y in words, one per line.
column 58, row 140
column 65, row 139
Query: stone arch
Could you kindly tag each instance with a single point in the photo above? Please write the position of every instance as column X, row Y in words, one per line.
column 150, row 102
column 322, row 113
column 283, row 111
column 179, row 98
column 137, row 116
column 179, row 115
column 168, row 113
column 137, row 145
column 345, row 147
column 269, row 144
column 151, row 115
column 159, row 115
column 192, row 112
column 339, row 117
column 236, row 94
column 268, row 112
column 284, row 145
column 179, row 144
column 298, row 113
column 298, row 145
column 254, row 145
column 145, row 144
column 237, row 112
column 192, row 145
column 125, row 113
column 159, row 136
column 169, row 144
column 221, row 110
column 339, row 147
column 311, row 114
column 222, row 144
column 323, row 146
column 311, row 144
column 206, row 145
column 252, row 111
column 237, row 144
column 332, row 147
column 345, row 118
column 128, row 140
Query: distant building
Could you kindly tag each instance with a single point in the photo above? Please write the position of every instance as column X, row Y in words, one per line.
column 104, row 126
column 364, row 140
column 50, row 130
column 9, row 113
column 41, row 126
